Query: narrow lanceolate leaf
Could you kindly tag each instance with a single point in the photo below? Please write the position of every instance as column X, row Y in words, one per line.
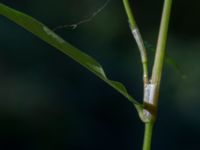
column 47, row 35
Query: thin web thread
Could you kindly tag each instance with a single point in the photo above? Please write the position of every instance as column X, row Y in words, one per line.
column 90, row 18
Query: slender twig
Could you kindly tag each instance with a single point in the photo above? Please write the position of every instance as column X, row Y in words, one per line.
column 136, row 33
column 160, row 49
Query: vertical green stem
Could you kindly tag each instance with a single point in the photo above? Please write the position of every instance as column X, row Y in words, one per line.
column 161, row 45
column 148, row 136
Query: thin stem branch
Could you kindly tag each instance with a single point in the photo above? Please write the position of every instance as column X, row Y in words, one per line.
column 148, row 136
column 136, row 33
column 161, row 45
column 129, row 13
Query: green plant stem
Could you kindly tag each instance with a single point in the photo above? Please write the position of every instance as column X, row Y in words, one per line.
column 136, row 33
column 129, row 13
column 148, row 135
column 160, row 50
column 152, row 97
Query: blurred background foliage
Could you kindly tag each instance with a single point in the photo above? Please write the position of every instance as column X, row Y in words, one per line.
column 50, row 102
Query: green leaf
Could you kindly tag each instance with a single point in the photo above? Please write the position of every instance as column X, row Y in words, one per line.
column 47, row 35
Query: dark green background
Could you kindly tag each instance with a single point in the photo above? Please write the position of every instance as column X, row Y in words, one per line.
column 49, row 102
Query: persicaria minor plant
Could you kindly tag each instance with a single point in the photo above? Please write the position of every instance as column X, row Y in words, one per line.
column 146, row 111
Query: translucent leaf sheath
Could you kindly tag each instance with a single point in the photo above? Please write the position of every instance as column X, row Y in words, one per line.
column 47, row 35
